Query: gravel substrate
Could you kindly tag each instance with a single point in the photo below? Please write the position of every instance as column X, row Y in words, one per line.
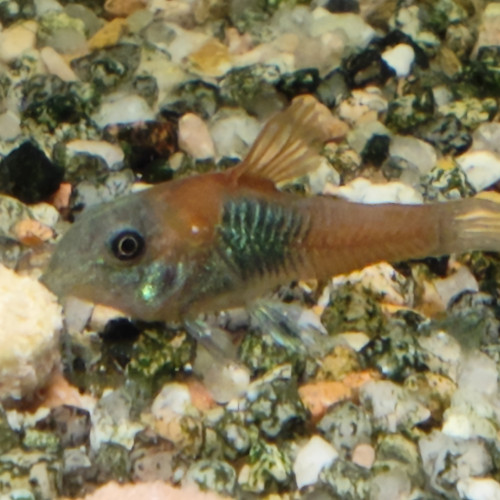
column 379, row 385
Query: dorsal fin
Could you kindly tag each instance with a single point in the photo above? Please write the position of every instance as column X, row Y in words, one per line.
column 288, row 145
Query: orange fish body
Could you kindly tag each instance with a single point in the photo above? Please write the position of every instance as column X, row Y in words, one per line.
column 218, row 240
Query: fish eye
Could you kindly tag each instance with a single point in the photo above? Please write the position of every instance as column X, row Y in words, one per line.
column 127, row 245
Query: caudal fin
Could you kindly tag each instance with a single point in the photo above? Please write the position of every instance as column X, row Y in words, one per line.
column 471, row 224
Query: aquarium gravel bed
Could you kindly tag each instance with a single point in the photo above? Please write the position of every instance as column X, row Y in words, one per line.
column 378, row 385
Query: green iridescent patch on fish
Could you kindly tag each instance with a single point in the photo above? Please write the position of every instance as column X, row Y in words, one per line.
column 259, row 235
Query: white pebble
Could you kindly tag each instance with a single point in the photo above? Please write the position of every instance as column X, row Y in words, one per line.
column 110, row 153
column 482, row 168
column 478, row 373
column 30, row 324
column 172, row 397
column 233, row 133
column 414, row 151
column 56, row 65
column 355, row 340
column 400, row 58
column 123, row 109
column 312, row 459
column 363, row 191
column 17, row 39
column 194, row 137
column 478, row 488
column 10, row 126
column 456, row 283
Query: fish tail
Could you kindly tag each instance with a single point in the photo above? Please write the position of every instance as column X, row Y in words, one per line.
column 471, row 224
column 345, row 236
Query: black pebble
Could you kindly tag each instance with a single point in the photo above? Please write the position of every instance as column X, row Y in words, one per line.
column 342, row 6
column 28, row 175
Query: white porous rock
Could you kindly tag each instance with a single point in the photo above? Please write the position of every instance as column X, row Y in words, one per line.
column 478, row 488
column 482, row 168
column 119, row 108
column 111, row 153
column 414, row 151
column 400, row 58
column 30, row 326
column 364, row 191
column 311, row 459
column 17, row 39
column 194, row 137
column 444, row 353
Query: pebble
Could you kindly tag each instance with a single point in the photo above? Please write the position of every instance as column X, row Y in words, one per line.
column 311, row 459
column 194, row 137
column 456, row 283
column 362, row 190
column 356, row 32
column 486, row 137
column 482, row 168
column 112, row 154
column 478, row 488
column 233, row 133
column 489, row 31
column 318, row 396
column 108, row 35
column 10, row 126
column 400, row 58
column 119, row 108
column 57, row 65
column 30, row 326
column 363, row 455
column 123, row 8
column 414, row 152
column 153, row 490
column 17, row 39
column 212, row 59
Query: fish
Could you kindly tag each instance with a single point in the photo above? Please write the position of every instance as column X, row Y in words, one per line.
column 220, row 240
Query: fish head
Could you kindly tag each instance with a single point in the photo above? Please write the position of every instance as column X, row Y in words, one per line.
column 121, row 255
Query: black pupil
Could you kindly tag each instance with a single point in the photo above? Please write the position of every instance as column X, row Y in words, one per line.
column 127, row 245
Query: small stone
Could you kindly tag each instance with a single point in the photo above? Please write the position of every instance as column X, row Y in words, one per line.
column 108, row 35
column 31, row 232
column 30, row 324
column 489, row 31
column 456, row 283
column 400, row 58
column 17, row 39
column 194, row 137
column 363, row 191
column 27, row 174
column 212, row 59
column 56, row 65
column 482, row 168
column 111, row 153
column 123, row 8
column 234, row 133
column 486, row 137
column 414, row 152
column 363, row 455
column 123, row 109
column 312, row 458
column 318, row 396
column 478, row 488
column 10, row 126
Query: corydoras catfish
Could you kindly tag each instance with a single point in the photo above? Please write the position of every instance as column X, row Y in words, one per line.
column 219, row 240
